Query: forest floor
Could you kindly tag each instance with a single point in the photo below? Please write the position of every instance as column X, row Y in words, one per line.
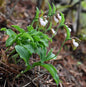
column 70, row 65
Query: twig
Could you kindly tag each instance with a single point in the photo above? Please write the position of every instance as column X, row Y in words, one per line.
column 2, row 14
column 5, row 83
column 5, row 70
column 33, row 80
column 9, row 68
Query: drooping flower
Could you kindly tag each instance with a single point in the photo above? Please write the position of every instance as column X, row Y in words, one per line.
column 53, row 31
column 59, row 16
column 75, row 43
column 56, row 19
column 43, row 22
column 69, row 28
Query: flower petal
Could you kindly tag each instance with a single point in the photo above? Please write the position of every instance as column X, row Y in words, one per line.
column 75, row 43
column 42, row 22
column 53, row 31
column 59, row 16
column 56, row 20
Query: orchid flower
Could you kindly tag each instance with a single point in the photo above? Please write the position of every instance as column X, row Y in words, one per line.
column 56, row 20
column 53, row 31
column 43, row 22
column 59, row 16
column 75, row 43
column 69, row 29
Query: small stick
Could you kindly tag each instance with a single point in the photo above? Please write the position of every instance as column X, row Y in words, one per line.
column 33, row 80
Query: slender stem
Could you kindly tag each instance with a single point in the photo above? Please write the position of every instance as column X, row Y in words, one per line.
column 32, row 23
column 15, row 56
column 56, row 30
column 28, row 68
column 36, row 64
column 49, row 28
column 13, row 51
column 61, row 47
column 49, row 20
column 37, row 25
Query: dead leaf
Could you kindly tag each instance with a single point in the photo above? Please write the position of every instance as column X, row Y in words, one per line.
column 5, row 38
column 4, row 57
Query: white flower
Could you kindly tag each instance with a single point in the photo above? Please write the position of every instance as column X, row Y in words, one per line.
column 42, row 22
column 55, row 19
column 75, row 43
column 53, row 31
column 59, row 16
column 69, row 28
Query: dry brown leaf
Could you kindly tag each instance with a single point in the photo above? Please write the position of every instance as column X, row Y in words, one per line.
column 4, row 57
column 5, row 38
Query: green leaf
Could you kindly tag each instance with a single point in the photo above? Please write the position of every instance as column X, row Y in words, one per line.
column 36, row 38
column 34, row 32
column 68, row 32
column 50, row 56
column 10, row 40
column 3, row 29
column 50, row 26
column 46, row 37
column 54, row 9
column 42, row 53
column 18, row 28
column 52, row 70
column 37, row 14
column 62, row 19
column 50, row 10
column 27, row 35
column 44, row 42
column 30, row 28
column 30, row 48
column 23, row 53
column 10, row 32
column 12, row 36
